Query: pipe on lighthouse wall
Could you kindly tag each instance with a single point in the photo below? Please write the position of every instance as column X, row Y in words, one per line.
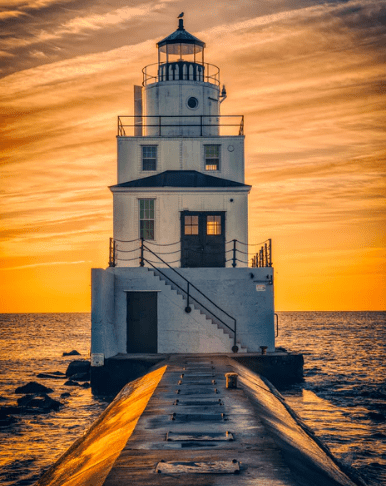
column 137, row 111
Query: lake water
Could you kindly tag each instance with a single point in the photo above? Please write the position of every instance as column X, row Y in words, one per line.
column 343, row 396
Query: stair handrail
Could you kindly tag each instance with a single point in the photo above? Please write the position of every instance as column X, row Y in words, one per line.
column 143, row 259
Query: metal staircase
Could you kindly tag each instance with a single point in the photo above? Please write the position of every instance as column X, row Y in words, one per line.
column 192, row 305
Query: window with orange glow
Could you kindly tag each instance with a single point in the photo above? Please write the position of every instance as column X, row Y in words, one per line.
column 213, row 225
column 212, row 157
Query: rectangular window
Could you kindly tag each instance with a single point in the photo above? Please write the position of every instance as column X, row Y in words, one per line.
column 213, row 225
column 149, row 157
column 146, row 219
column 212, row 157
column 191, row 225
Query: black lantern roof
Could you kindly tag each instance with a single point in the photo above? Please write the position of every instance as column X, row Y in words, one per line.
column 180, row 36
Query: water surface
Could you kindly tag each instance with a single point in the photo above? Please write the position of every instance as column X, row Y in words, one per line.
column 343, row 396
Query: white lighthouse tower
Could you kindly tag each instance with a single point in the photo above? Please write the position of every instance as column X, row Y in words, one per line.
column 180, row 276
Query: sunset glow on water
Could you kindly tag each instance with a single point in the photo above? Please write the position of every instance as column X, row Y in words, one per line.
column 342, row 399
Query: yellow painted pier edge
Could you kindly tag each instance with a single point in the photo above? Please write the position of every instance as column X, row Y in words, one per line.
column 90, row 458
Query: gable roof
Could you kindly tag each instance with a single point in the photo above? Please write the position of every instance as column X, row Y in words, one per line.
column 181, row 178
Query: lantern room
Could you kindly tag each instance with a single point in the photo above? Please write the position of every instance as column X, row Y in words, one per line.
column 180, row 46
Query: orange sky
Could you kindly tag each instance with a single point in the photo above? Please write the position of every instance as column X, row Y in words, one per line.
column 308, row 77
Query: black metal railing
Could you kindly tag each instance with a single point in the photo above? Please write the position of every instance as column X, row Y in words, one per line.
column 181, row 71
column 175, row 125
column 188, row 293
column 139, row 252
column 263, row 257
column 236, row 252
column 112, row 252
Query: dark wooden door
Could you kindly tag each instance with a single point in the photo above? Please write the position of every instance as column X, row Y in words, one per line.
column 202, row 239
column 141, row 322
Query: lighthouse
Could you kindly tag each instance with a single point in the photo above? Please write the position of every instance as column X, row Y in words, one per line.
column 182, row 275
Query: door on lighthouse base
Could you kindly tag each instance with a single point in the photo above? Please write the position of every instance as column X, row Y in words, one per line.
column 142, row 322
column 202, row 239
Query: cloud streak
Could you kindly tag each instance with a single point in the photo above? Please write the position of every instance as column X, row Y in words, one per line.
column 309, row 81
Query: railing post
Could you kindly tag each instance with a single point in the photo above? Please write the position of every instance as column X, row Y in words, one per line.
column 266, row 255
column 234, row 254
column 235, row 348
column 141, row 262
column 277, row 324
column 112, row 253
column 270, row 252
column 187, row 308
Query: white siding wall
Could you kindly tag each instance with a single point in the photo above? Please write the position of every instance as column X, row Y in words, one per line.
column 180, row 154
column 168, row 206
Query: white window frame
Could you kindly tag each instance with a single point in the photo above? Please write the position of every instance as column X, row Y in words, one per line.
column 146, row 219
column 215, row 157
column 143, row 158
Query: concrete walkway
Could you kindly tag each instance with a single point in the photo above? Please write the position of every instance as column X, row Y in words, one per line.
column 196, row 431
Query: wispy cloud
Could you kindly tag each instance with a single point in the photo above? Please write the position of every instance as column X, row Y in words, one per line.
column 309, row 81
column 46, row 264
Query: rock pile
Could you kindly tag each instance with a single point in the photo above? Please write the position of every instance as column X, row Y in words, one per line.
column 36, row 399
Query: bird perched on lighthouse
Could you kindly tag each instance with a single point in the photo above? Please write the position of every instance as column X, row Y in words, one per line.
column 181, row 15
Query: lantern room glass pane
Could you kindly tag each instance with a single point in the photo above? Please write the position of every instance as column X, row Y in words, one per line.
column 180, row 52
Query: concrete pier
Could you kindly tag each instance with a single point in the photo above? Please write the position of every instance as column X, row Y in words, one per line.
column 196, row 431
column 181, row 425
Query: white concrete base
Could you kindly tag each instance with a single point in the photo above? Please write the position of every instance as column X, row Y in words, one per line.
column 232, row 289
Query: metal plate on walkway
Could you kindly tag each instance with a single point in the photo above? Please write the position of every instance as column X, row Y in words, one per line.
column 198, row 403
column 197, row 417
column 205, row 382
column 198, row 362
column 196, row 391
column 202, row 369
column 215, row 467
column 196, row 376
column 199, row 436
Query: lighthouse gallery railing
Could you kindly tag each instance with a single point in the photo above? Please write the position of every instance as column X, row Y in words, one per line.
column 128, row 125
column 181, row 71
column 250, row 254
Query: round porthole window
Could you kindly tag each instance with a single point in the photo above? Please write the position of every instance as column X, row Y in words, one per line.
column 192, row 102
